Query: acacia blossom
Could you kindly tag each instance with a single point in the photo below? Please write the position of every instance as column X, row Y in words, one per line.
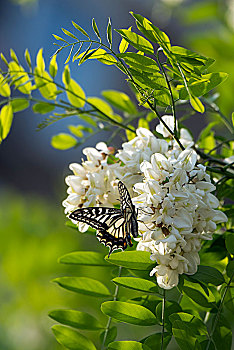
column 93, row 182
column 172, row 192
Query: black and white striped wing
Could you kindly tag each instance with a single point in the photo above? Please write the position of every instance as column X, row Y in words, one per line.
column 109, row 223
column 128, row 210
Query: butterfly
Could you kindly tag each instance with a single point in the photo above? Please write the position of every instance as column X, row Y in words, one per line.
column 114, row 226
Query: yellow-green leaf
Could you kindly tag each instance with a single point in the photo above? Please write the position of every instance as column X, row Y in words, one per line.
column 124, row 44
column 45, row 85
column 75, row 94
column 40, row 62
column 143, row 123
column 63, row 141
column 4, row 87
column 196, row 104
column 13, row 56
column 28, row 58
column 100, row 105
column 76, row 130
column 120, row 100
column 53, row 67
column 130, row 135
column 137, row 41
column 20, row 78
column 6, row 118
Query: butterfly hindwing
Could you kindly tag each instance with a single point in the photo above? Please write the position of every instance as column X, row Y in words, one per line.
column 114, row 226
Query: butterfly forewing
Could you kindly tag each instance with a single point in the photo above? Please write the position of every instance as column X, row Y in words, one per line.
column 113, row 226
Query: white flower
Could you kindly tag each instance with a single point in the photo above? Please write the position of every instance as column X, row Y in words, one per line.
column 94, row 182
column 169, row 121
column 178, row 209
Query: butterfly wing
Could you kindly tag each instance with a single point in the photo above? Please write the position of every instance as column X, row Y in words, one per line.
column 109, row 223
column 128, row 210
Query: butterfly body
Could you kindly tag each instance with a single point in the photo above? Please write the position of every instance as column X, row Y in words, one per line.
column 114, row 226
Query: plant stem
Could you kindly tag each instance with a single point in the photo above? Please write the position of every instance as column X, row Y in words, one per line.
column 219, row 312
column 110, row 318
column 163, row 317
column 216, row 109
column 169, row 88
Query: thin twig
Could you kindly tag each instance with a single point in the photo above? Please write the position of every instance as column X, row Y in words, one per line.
column 163, row 317
column 219, row 312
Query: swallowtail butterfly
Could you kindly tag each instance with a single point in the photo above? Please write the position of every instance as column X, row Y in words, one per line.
column 114, row 226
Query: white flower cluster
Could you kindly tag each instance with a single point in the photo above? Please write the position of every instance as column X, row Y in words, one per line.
column 176, row 209
column 94, row 182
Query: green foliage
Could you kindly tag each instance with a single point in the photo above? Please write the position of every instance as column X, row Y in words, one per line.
column 195, row 312
column 71, row 339
column 129, row 313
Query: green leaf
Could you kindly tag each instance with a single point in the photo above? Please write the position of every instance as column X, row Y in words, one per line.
column 109, row 32
column 233, row 119
column 129, row 313
column 101, row 106
column 182, row 54
column 152, row 32
column 4, row 87
column 230, row 268
column 3, row 58
column 76, row 319
column 196, row 104
column 75, row 93
column 137, row 284
column 196, row 325
column 53, row 68
column 19, row 104
column 43, row 108
column 127, row 345
column 206, row 131
column 13, row 56
column 40, row 62
column 201, row 86
column 84, row 258
column 130, row 135
column 95, row 28
column 69, row 33
column 28, row 58
column 143, row 123
column 71, row 339
column 83, row 285
column 222, row 337
column 137, row 41
column 20, row 78
column 120, row 100
column 110, row 337
column 154, row 340
column 123, row 46
column 63, row 141
column 76, row 130
column 184, row 336
column 45, row 85
column 6, row 118
column 135, row 260
column 139, row 62
column 80, row 29
column 230, row 243
column 197, row 296
column 66, row 75
column 59, row 38
column 208, row 274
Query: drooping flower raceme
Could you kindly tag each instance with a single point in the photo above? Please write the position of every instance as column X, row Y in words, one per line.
column 172, row 192
column 93, row 182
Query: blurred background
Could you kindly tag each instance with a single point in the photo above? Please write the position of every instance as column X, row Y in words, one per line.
column 32, row 230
